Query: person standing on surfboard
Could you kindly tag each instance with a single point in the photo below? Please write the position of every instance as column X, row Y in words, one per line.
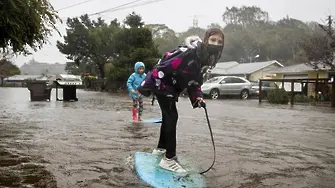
column 181, row 68
column 133, row 82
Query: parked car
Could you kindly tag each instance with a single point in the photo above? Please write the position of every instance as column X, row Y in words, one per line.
column 266, row 86
column 227, row 85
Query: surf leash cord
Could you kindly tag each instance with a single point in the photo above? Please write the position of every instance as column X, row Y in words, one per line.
column 153, row 100
column 210, row 130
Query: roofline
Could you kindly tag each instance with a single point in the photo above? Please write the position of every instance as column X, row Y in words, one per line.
column 273, row 62
column 227, row 69
column 229, row 74
column 286, row 72
column 224, row 76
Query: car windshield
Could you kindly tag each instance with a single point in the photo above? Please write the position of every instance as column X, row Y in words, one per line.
column 213, row 80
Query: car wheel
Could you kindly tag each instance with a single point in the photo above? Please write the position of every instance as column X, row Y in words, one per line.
column 214, row 94
column 244, row 94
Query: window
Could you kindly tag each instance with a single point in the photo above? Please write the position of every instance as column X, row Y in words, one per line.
column 212, row 80
column 227, row 80
column 266, row 84
column 237, row 80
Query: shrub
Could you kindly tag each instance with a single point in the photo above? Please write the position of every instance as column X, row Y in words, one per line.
column 278, row 96
column 301, row 98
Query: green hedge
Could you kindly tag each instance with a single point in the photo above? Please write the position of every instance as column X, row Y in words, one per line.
column 302, row 99
column 278, row 96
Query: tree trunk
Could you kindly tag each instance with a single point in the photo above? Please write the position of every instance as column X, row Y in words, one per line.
column 1, row 79
column 101, row 70
column 102, row 74
column 333, row 94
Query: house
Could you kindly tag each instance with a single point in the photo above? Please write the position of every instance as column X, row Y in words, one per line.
column 300, row 71
column 303, row 71
column 20, row 80
column 226, row 65
column 251, row 71
column 37, row 68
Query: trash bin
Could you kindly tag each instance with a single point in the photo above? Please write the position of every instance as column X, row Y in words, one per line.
column 39, row 90
column 70, row 93
column 69, row 84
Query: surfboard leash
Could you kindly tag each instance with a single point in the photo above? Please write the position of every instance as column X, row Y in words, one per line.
column 210, row 130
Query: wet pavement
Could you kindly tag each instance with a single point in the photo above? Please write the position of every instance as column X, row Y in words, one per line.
column 89, row 143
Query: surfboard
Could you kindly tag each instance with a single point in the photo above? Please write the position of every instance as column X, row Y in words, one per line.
column 152, row 120
column 147, row 168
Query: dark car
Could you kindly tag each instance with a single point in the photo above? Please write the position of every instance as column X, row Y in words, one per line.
column 266, row 86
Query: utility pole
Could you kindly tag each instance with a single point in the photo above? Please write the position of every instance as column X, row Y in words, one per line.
column 331, row 32
column 331, row 48
column 329, row 27
column 195, row 22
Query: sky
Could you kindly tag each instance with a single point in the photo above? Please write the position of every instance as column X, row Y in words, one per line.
column 176, row 14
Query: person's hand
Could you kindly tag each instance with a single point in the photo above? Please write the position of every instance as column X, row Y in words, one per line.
column 132, row 91
column 201, row 102
column 139, row 94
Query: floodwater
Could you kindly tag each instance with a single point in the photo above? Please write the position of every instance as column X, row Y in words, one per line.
column 89, row 143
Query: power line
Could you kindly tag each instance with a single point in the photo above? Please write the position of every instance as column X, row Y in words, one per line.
column 137, row 5
column 123, row 8
column 74, row 5
column 119, row 6
column 110, row 9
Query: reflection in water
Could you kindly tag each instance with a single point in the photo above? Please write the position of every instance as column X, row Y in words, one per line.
column 135, row 130
column 89, row 143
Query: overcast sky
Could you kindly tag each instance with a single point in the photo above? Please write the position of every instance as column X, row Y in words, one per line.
column 178, row 15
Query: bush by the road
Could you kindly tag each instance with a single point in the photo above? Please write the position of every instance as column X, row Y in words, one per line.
column 278, row 96
column 302, row 98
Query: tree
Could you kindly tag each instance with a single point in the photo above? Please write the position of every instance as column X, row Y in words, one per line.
column 319, row 46
column 94, row 46
column 89, row 43
column 134, row 43
column 244, row 33
column 134, row 21
column 25, row 24
column 7, row 69
column 191, row 31
column 245, row 15
column 164, row 37
column 103, row 46
column 250, row 33
column 73, row 68
column 316, row 50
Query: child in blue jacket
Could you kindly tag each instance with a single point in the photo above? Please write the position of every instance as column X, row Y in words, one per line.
column 133, row 82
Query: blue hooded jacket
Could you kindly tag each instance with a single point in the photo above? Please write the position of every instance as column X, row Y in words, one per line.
column 135, row 79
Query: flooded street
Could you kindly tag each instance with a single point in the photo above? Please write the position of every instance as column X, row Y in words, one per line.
column 89, row 143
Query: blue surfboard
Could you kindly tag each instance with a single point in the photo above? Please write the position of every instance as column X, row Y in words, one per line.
column 153, row 120
column 147, row 168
